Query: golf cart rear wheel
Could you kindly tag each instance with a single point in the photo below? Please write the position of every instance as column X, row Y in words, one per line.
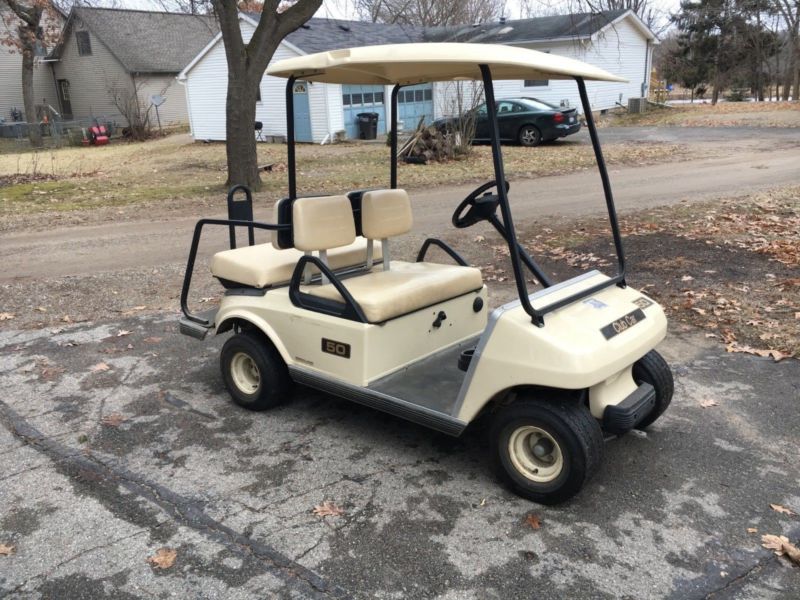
column 653, row 369
column 254, row 372
column 546, row 450
column 530, row 136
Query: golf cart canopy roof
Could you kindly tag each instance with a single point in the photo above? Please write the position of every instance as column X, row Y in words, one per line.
column 407, row 64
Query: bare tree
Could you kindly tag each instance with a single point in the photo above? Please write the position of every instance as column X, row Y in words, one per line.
column 27, row 28
column 247, row 62
column 789, row 10
column 432, row 13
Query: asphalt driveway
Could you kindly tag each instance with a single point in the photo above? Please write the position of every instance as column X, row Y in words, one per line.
column 118, row 439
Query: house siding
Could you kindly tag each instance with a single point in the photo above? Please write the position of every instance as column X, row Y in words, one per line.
column 11, row 81
column 91, row 77
column 619, row 49
column 174, row 110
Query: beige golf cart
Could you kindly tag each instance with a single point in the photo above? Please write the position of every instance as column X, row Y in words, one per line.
column 327, row 305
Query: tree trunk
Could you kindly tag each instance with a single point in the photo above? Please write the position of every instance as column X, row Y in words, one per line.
column 28, row 99
column 240, row 116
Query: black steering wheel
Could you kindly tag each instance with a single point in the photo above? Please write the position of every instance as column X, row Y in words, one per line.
column 481, row 207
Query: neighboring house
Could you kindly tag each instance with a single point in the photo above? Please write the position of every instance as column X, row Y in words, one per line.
column 109, row 57
column 44, row 87
column 617, row 41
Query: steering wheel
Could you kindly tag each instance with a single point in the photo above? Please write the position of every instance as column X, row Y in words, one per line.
column 480, row 206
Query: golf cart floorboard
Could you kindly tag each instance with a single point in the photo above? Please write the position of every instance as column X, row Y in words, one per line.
column 433, row 382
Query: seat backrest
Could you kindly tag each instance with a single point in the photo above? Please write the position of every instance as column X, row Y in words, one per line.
column 385, row 214
column 322, row 223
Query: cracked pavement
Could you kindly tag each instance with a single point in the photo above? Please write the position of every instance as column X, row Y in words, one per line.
column 100, row 468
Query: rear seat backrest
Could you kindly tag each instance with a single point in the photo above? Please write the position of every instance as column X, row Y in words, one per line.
column 385, row 214
column 322, row 223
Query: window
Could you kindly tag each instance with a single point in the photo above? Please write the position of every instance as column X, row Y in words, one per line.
column 368, row 98
column 428, row 94
column 537, row 82
column 378, row 97
column 84, row 43
column 346, row 99
column 357, row 99
column 418, row 95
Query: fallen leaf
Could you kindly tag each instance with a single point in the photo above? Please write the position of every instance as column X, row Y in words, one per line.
column 782, row 509
column 113, row 420
column 66, row 319
column 4, row 316
column 7, row 549
column 328, row 509
column 534, row 521
column 687, row 278
column 123, row 332
column 164, row 558
column 41, row 309
column 708, row 403
column 479, row 238
column 776, row 355
column 752, row 530
column 142, row 307
column 99, row 367
column 781, row 545
column 152, row 340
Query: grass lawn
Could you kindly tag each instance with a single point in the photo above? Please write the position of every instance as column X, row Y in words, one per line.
column 724, row 114
column 176, row 169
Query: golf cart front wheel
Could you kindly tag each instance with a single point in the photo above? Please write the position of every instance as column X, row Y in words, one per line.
column 254, row 372
column 546, row 450
column 653, row 369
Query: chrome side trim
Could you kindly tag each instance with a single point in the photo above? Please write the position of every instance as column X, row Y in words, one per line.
column 383, row 402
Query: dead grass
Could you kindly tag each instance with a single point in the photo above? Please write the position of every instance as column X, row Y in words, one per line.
column 175, row 169
column 725, row 114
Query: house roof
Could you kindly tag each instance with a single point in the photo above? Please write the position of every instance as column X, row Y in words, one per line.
column 571, row 26
column 147, row 41
column 319, row 35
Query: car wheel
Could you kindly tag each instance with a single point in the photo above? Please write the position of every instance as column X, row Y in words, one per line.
column 254, row 372
column 653, row 369
column 546, row 450
column 530, row 136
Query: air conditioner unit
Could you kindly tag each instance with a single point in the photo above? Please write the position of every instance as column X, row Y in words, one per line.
column 637, row 105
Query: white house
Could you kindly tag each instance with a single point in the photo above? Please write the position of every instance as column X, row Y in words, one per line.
column 617, row 41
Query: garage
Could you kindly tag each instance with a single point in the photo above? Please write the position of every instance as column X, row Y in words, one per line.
column 415, row 102
column 359, row 99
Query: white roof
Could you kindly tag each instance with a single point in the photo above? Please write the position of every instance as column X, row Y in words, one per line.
column 407, row 64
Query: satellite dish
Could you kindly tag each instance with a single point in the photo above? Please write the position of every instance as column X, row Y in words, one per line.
column 157, row 100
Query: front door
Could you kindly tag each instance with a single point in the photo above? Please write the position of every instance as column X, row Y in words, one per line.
column 63, row 98
column 302, row 113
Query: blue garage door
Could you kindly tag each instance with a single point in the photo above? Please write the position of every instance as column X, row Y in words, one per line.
column 363, row 98
column 415, row 102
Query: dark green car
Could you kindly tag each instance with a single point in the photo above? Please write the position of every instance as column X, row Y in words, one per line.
column 527, row 121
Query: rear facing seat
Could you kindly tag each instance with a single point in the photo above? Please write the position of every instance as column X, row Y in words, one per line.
column 267, row 265
column 400, row 287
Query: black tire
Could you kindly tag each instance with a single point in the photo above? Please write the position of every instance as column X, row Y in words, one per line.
column 579, row 447
column 653, row 369
column 529, row 136
column 263, row 381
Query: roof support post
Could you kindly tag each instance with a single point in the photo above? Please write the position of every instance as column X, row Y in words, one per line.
column 601, row 166
column 505, row 209
column 291, row 163
column 393, row 141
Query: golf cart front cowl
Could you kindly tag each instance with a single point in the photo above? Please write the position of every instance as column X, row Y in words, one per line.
column 571, row 351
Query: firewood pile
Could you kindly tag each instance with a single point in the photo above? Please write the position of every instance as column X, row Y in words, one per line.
column 426, row 144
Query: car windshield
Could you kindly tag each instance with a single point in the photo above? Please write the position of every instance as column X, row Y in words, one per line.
column 538, row 104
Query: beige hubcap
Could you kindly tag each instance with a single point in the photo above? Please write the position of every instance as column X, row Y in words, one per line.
column 535, row 454
column 244, row 373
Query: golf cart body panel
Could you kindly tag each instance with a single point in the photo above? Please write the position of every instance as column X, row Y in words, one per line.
column 326, row 305
column 352, row 352
column 571, row 352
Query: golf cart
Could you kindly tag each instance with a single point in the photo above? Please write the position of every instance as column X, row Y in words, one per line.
column 326, row 305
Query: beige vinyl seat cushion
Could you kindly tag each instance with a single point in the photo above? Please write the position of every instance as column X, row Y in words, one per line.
column 263, row 265
column 405, row 288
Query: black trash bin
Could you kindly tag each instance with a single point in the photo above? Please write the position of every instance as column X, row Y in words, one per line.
column 367, row 125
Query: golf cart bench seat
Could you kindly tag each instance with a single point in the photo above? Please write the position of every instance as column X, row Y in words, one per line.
column 399, row 288
column 264, row 265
